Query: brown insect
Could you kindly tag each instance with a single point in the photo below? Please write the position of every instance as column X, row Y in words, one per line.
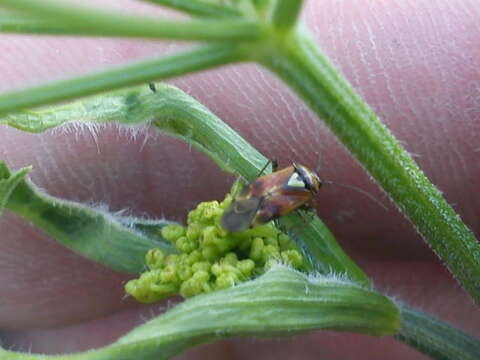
column 271, row 196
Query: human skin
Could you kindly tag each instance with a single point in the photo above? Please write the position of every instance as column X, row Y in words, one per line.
column 416, row 64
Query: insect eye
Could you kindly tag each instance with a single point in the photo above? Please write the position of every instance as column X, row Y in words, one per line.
column 296, row 181
column 310, row 180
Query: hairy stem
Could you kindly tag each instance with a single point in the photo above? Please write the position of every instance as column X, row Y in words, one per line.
column 86, row 21
column 199, row 8
column 299, row 63
column 435, row 338
column 285, row 13
column 197, row 59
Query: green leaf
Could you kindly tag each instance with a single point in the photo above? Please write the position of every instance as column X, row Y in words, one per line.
column 169, row 109
column 114, row 241
column 435, row 338
column 185, row 118
column 281, row 302
column 8, row 183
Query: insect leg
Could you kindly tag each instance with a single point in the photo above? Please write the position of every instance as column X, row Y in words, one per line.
column 238, row 185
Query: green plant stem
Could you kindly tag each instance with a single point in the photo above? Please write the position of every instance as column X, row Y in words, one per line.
column 197, row 59
column 285, row 13
column 20, row 24
column 86, row 21
column 435, row 338
column 199, row 8
column 297, row 60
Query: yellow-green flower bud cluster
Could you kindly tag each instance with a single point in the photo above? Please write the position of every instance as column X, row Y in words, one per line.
column 209, row 258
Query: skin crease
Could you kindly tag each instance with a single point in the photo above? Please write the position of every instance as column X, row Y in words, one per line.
column 416, row 64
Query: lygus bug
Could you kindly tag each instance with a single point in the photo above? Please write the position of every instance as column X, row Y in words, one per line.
column 271, row 196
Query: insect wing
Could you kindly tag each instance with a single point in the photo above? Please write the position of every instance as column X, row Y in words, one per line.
column 241, row 213
column 269, row 184
column 283, row 202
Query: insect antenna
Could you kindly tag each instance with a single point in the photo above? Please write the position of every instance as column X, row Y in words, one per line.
column 274, row 167
column 365, row 193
